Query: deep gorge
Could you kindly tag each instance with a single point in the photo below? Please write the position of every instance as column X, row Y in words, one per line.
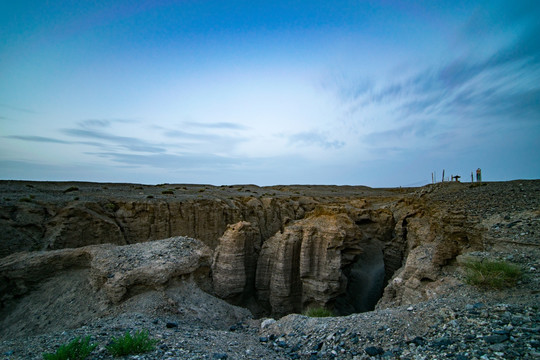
column 275, row 253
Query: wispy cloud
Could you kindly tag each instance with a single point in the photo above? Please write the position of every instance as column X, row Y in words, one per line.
column 208, row 137
column 130, row 143
column 216, row 125
column 190, row 136
column 403, row 134
column 465, row 97
column 168, row 161
column 346, row 87
column 314, row 138
column 95, row 123
column 104, row 123
column 38, row 139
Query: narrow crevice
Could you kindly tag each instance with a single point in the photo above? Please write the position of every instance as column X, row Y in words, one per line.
column 365, row 281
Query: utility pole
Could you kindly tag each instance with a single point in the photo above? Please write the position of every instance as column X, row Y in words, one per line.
column 442, row 175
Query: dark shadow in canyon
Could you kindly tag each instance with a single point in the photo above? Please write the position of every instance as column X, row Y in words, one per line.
column 365, row 282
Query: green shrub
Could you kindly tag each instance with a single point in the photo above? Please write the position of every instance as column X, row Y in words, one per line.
column 150, row 197
column 78, row 349
column 493, row 274
column 128, row 344
column 111, row 207
column 318, row 312
column 70, row 189
column 25, row 199
column 168, row 192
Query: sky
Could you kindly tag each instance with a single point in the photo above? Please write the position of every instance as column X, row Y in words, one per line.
column 377, row 93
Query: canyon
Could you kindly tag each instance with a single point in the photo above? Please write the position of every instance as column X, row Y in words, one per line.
column 265, row 251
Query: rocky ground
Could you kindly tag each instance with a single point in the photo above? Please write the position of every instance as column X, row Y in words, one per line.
column 458, row 322
column 473, row 325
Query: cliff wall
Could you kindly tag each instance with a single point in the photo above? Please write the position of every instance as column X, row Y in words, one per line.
column 274, row 250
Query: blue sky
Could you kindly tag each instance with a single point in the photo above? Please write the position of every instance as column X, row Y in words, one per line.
column 377, row 93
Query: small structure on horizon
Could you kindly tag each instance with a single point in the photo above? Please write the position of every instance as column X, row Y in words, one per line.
column 478, row 175
column 456, row 178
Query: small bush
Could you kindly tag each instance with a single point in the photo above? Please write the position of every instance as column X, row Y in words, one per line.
column 168, row 192
column 128, row 344
column 78, row 349
column 318, row 312
column 70, row 189
column 150, row 197
column 491, row 273
column 25, row 199
column 111, row 207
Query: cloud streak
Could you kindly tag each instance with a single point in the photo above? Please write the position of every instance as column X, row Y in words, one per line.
column 42, row 139
column 130, row 143
column 460, row 99
column 104, row 123
column 314, row 138
column 216, row 125
column 168, row 161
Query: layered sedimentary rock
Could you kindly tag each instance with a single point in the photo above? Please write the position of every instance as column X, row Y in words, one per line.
column 67, row 287
column 433, row 238
column 235, row 262
column 307, row 264
column 51, row 226
column 80, row 225
column 117, row 270
column 288, row 252
column 113, row 270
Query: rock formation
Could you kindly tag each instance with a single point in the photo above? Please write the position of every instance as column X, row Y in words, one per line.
column 53, row 225
column 433, row 238
column 311, row 262
column 235, row 262
column 113, row 270
column 168, row 274
column 276, row 252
